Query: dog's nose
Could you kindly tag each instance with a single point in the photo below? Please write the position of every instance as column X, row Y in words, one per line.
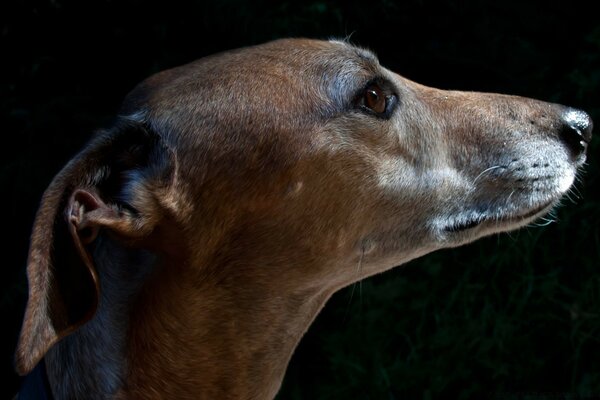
column 576, row 130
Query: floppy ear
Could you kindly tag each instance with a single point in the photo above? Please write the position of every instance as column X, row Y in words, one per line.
column 94, row 192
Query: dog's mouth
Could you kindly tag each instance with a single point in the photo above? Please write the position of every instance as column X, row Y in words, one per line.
column 498, row 219
column 510, row 198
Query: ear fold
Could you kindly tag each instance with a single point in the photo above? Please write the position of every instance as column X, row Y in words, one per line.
column 92, row 193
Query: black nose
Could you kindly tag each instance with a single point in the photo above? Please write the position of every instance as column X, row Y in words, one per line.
column 576, row 131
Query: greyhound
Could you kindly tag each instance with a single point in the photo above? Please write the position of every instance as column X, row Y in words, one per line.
column 185, row 250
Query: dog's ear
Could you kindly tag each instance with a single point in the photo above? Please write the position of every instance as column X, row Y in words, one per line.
column 108, row 187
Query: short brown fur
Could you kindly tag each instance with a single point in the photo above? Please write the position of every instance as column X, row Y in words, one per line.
column 184, row 252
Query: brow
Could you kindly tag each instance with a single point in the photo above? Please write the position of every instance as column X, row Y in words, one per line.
column 354, row 70
column 367, row 55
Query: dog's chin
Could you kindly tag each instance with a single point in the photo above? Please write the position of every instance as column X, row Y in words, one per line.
column 501, row 222
column 471, row 225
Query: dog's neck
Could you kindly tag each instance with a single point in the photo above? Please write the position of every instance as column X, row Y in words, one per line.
column 201, row 337
column 234, row 340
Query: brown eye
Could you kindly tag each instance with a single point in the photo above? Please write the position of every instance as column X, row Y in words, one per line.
column 375, row 99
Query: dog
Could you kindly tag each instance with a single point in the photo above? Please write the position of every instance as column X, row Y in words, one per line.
column 185, row 251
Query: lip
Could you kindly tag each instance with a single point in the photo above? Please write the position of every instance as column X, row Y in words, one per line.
column 494, row 218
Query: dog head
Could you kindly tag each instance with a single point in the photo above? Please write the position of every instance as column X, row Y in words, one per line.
column 315, row 143
column 288, row 164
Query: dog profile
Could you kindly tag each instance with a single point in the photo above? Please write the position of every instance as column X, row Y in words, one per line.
column 184, row 252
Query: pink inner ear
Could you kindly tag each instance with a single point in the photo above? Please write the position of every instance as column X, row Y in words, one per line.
column 88, row 213
column 83, row 202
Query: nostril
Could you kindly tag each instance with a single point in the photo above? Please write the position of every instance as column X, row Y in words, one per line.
column 573, row 138
column 576, row 131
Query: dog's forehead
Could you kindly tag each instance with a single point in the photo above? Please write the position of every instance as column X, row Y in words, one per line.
column 302, row 56
column 323, row 52
column 360, row 52
column 287, row 74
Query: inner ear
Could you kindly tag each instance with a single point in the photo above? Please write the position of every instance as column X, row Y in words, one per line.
column 88, row 213
column 81, row 204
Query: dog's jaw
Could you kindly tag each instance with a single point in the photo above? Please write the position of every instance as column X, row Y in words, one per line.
column 508, row 196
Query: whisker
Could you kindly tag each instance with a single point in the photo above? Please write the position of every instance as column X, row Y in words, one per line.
column 509, row 196
column 568, row 196
column 575, row 193
column 576, row 190
column 486, row 170
column 545, row 223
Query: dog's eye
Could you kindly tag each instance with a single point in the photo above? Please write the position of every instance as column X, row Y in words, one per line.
column 375, row 99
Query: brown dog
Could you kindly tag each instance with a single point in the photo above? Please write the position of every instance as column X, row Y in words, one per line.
column 184, row 252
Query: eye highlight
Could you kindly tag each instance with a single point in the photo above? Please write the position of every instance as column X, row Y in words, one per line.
column 377, row 98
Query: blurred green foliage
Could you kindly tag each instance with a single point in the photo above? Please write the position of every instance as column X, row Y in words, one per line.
column 513, row 316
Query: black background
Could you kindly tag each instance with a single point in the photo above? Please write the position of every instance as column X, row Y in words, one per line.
column 508, row 317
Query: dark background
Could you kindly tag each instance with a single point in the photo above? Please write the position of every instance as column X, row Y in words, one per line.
column 511, row 316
